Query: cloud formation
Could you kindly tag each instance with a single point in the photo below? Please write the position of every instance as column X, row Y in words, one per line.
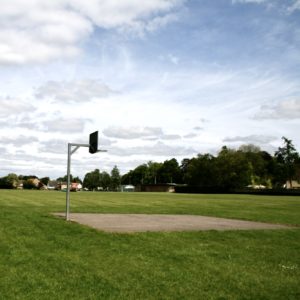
column 64, row 125
column 136, row 132
column 295, row 6
column 99, row 65
column 73, row 91
column 14, row 106
column 251, row 139
column 3, row 151
column 288, row 109
column 19, row 141
column 40, row 31
column 132, row 132
column 158, row 149
column 53, row 146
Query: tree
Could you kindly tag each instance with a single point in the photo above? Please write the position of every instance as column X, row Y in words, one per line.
column 77, row 179
column 45, row 180
column 28, row 184
column 200, row 171
column 233, row 169
column 259, row 164
column 136, row 176
column 169, row 172
column 126, row 178
column 92, row 180
column 287, row 156
column 105, row 180
column 25, row 177
column 64, row 178
column 115, row 178
column 10, row 181
column 151, row 174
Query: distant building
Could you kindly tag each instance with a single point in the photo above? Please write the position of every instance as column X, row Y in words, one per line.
column 52, row 185
column 127, row 188
column 256, row 186
column 75, row 186
column 295, row 185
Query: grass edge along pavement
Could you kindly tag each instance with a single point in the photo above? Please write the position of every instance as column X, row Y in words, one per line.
column 45, row 258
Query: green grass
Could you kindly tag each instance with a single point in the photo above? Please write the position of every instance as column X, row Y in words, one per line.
column 43, row 257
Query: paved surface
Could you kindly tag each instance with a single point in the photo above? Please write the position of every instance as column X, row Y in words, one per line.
column 143, row 222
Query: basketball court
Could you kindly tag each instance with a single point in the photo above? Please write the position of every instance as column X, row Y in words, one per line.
column 127, row 223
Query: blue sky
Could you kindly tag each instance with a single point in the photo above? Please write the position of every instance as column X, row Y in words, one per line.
column 159, row 79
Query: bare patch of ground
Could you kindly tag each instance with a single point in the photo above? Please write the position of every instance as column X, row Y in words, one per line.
column 143, row 222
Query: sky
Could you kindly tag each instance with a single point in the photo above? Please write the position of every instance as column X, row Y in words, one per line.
column 159, row 79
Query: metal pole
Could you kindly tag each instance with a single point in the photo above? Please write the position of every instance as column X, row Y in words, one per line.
column 70, row 152
column 68, row 183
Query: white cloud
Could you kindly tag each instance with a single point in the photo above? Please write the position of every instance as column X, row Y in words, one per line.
column 251, row 139
column 36, row 31
column 53, row 146
column 18, row 141
column 136, row 132
column 170, row 137
column 59, row 146
column 288, row 109
column 39, row 31
column 73, row 91
column 295, row 6
column 115, row 13
column 160, row 21
column 3, row 151
column 64, row 125
column 158, row 149
column 158, row 89
column 190, row 135
column 25, row 123
column 14, row 106
column 132, row 132
column 198, row 128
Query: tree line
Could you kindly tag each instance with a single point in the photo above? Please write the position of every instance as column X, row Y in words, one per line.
column 229, row 169
column 93, row 180
column 96, row 180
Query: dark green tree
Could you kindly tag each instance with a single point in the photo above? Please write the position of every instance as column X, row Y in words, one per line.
column 126, row 178
column 287, row 158
column 64, row 178
column 105, row 180
column 200, row 171
column 76, row 179
column 169, row 172
column 115, row 179
column 92, row 180
column 233, row 169
column 10, row 181
column 28, row 184
column 260, row 163
column 45, row 180
column 152, row 171
column 137, row 176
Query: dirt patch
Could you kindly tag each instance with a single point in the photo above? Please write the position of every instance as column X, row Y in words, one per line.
column 143, row 222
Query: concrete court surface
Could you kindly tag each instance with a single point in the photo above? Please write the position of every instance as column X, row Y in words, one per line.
column 126, row 223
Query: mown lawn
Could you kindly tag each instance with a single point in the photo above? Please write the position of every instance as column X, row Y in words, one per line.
column 43, row 257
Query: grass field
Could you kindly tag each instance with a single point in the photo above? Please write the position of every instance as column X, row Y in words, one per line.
column 43, row 257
